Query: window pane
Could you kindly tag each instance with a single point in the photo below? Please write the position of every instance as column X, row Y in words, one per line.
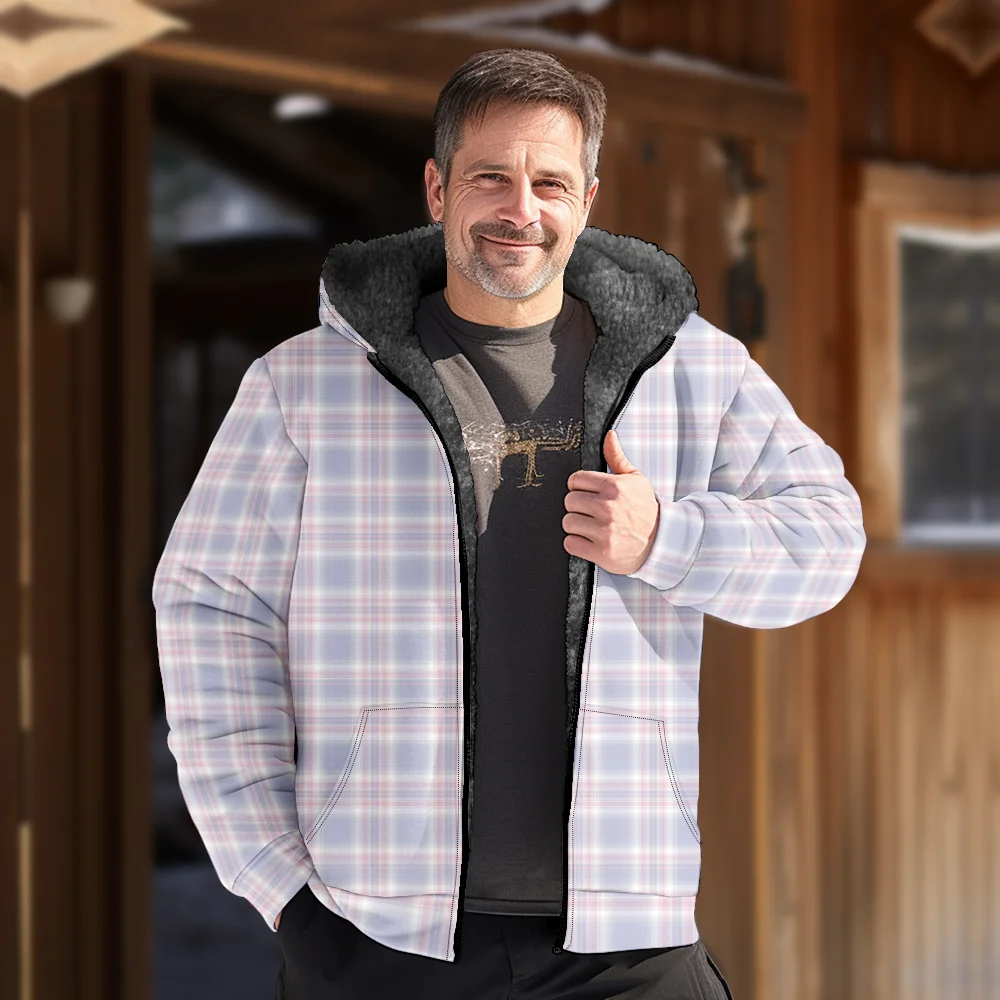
column 950, row 341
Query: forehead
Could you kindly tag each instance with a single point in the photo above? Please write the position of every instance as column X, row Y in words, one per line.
column 548, row 130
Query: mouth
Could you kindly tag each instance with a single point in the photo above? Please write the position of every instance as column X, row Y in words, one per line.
column 513, row 246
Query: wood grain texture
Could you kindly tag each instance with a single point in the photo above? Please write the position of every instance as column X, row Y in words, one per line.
column 907, row 100
column 814, row 920
column 911, row 880
column 45, row 487
column 932, row 802
column 744, row 34
column 65, row 526
column 13, row 745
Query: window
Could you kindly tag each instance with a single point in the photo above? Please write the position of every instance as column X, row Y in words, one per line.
column 928, row 300
column 950, row 347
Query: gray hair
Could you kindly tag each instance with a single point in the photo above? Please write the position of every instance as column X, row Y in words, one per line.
column 526, row 77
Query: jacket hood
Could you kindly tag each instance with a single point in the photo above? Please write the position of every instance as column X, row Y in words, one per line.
column 637, row 292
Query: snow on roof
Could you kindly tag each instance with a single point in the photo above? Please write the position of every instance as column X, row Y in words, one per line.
column 499, row 21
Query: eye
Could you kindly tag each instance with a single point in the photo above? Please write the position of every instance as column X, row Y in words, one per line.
column 556, row 183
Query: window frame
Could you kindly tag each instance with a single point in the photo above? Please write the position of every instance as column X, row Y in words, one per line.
column 890, row 197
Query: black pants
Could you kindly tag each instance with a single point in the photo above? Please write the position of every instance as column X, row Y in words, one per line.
column 325, row 957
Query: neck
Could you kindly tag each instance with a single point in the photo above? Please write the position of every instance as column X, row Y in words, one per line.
column 476, row 306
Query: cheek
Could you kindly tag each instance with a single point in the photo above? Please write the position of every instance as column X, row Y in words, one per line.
column 463, row 201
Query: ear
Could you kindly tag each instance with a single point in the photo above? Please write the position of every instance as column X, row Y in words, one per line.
column 589, row 202
column 435, row 191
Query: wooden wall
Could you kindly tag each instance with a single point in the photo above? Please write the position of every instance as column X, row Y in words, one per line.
column 741, row 34
column 75, row 689
column 12, row 740
column 920, row 801
column 905, row 688
column 904, row 99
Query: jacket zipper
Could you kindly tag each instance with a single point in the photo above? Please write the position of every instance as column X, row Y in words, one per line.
column 466, row 644
column 620, row 404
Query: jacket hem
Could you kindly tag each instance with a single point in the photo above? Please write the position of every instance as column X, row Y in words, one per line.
column 608, row 921
column 624, row 921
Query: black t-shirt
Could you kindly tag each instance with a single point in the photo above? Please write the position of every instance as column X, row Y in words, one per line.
column 518, row 394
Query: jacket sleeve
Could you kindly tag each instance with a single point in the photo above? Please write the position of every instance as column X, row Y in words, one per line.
column 221, row 593
column 777, row 537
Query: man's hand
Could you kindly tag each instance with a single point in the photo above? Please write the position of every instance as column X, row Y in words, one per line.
column 613, row 515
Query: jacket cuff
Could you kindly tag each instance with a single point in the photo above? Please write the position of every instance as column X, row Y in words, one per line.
column 274, row 876
column 675, row 546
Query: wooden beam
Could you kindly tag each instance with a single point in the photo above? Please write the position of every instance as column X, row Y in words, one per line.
column 275, row 74
column 404, row 70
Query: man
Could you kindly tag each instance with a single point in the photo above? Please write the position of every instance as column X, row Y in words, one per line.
column 430, row 619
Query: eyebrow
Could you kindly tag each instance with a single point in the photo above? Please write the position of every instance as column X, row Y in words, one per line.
column 483, row 165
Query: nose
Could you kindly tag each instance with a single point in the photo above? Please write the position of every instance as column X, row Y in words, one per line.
column 520, row 210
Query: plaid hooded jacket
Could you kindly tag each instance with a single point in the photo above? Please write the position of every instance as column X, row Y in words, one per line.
column 315, row 607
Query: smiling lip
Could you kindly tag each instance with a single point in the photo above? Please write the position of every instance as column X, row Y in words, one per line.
column 504, row 244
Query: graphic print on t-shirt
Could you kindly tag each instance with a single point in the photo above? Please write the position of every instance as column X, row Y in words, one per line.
column 489, row 443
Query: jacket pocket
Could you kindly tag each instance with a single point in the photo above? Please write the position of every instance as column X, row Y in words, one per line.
column 391, row 826
column 631, row 829
column 681, row 774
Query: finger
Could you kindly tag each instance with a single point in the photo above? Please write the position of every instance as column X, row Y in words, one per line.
column 588, row 481
column 580, row 524
column 577, row 546
column 583, row 502
column 617, row 459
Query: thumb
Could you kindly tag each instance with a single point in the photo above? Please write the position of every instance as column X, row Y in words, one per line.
column 613, row 452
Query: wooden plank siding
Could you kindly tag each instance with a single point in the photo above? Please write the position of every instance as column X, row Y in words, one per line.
column 910, row 660
column 74, row 800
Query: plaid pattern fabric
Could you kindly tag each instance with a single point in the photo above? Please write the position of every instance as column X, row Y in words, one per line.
column 310, row 586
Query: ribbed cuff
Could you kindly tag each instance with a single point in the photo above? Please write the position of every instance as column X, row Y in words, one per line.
column 675, row 547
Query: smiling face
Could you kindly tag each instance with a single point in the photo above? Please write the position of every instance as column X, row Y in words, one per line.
column 514, row 207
